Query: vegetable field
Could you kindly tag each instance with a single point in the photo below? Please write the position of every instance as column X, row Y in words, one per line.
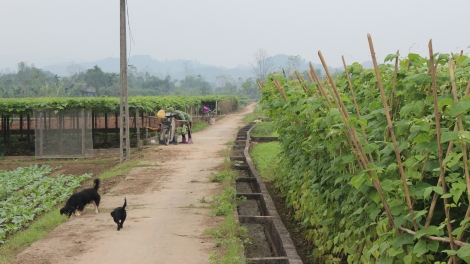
column 374, row 162
column 27, row 192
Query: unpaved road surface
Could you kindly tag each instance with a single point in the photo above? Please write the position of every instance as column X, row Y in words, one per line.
column 165, row 218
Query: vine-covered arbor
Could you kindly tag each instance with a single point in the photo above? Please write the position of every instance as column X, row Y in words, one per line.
column 73, row 127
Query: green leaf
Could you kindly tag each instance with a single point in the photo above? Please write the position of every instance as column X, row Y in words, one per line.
column 446, row 196
column 465, row 221
column 420, row 248
column 449, row 135
column 394, row 252
column 427, row 193
column 457, row 231
column 391, row 57
column 433, row 245
column 430, row 230
column 445, row 102
column 357, row 180
column 420, row 213
column 403, row 239
column 464, row 253
column 457, row 108
column 408, row 259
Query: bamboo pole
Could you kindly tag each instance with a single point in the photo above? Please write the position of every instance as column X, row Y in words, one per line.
column 279, row 87
column 302, row 83
column 395, row 74
column 459, row 121
column 362, row 155
column 346, row 135
column 311, row 80
column 392, row 133
column 355, row 102
column 440, row 239
column 438, row 133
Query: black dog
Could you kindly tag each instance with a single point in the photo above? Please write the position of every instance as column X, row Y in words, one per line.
column 119, row 214
column 79, row 200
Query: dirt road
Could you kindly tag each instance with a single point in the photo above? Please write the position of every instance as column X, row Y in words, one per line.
column 166, row 221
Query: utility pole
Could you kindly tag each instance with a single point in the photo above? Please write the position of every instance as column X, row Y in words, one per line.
column 125, row 149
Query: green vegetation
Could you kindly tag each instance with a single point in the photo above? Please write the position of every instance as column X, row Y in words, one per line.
column 265, row 157
column 28, row 192
column 121, row 169
column 224, row 176
column 257, row 114
column 225, row 203
column 40, row 228
column 198, row 126
column 149, row 104
column 228, row 236
column 264, row 129
column 30, row 81
column 340, row 174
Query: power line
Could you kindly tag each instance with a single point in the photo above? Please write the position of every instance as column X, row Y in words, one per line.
column 130, row 34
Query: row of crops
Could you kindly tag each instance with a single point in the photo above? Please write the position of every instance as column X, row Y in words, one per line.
column 9, row 106
column 374, row 162
column 27, row 192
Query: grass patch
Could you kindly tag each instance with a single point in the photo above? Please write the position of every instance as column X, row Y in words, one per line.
column 121, row 169
column 199, row 126
column 228, row 236
column 264, row 157
column 257, row 114
column 37, row 230
column 224, row 176
column 264, row 129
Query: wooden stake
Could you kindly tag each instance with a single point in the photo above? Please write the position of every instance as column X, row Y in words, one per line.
column 461, row 129
column 440, row 239
column 347, row 136
column 395, row 74
column 355, row 103
column 302, row 83
column 311, row 80
column 392, row 133
column 438, row 133
column 362, row 155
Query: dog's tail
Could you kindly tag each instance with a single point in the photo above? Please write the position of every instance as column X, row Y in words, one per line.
column 125, row 203
column 96, row 183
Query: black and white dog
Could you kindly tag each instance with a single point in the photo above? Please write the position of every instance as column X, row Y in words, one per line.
column 119, row 215
column 77, row 201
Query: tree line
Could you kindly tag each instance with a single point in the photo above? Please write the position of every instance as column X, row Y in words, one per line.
column 30, row 81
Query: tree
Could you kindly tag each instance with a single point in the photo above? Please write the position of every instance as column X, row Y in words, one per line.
column 191, row 85
column 293, row 63
column 262, row 64
column 97, row 78
column 250, row 89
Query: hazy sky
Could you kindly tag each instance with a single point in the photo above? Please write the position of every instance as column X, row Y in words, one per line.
column 227, row 33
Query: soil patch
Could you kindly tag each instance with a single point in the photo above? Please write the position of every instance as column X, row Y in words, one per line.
column 259, row 247
column 249, row 207
column 244, row 187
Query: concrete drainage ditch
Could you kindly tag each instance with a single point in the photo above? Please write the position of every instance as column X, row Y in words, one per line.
column 271, row 243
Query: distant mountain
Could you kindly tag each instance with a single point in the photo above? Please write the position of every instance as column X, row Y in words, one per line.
column 175, row 68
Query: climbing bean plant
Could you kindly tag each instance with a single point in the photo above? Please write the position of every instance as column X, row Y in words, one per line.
column 352, row 199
